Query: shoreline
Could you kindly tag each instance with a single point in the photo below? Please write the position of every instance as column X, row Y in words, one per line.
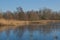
column 12, row 24
column 4, row 22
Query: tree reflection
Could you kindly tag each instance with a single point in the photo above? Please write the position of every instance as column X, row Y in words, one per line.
column 42, row 29
column 19, row 31
column 7, row 33
column 31, row 29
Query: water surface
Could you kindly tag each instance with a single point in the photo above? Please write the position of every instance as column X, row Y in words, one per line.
column 33, row 32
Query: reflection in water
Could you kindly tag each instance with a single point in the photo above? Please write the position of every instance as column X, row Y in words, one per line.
column 32, row 32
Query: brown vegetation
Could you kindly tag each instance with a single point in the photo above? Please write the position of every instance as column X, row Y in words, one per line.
column 21, row 17
column 4, row 22
column 43, row 14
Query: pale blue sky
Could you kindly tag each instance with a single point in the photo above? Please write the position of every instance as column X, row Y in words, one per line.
column 29, row 4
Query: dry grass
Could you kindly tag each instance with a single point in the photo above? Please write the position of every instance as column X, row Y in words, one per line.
column 16, row 23
column 13, row 22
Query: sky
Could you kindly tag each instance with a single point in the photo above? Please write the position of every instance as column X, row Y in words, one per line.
column 29, row 4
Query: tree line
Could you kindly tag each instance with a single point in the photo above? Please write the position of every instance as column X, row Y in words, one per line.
column 20, row 14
